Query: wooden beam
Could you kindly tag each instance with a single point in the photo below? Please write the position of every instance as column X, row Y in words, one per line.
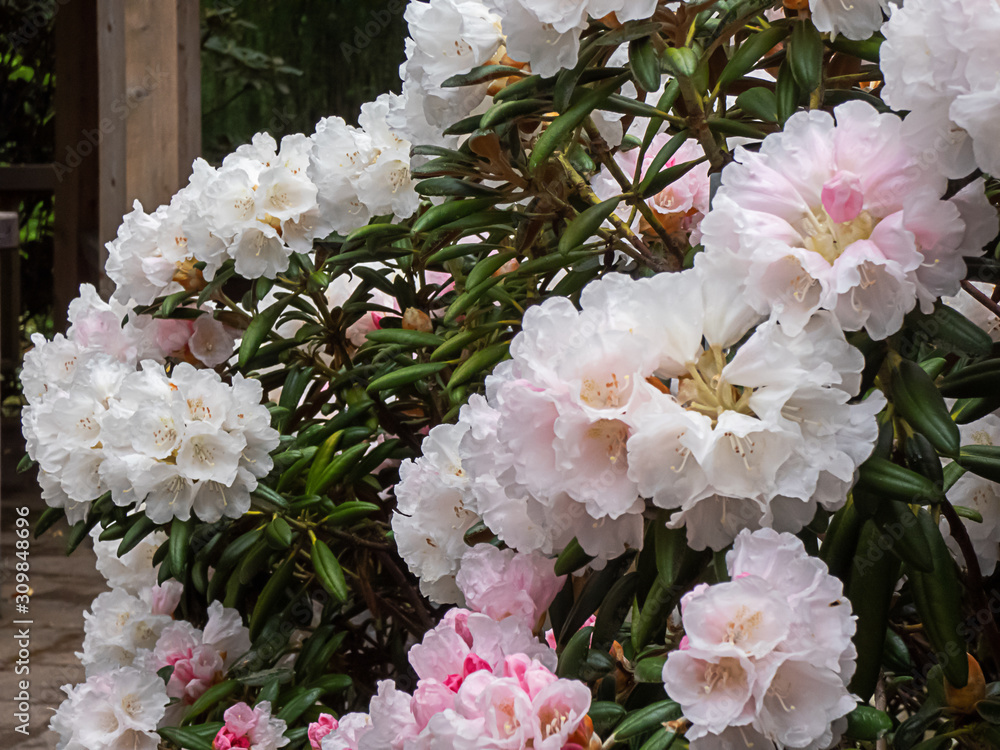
column 76, row 164
column 151, row 77
column 113, row 113
column 188, row 85
column 23, row 178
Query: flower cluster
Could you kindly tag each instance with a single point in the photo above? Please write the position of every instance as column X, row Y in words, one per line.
column 938, row 64
column 96, row 423
column 130, row 635
column 447, row 38
column 643, row 394
column 842, row 217
column 481, row 683
column 766, row 657
column 250, row 728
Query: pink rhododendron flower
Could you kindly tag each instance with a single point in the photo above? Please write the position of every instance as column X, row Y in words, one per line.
column 768, row 654
column 320, row 729
column 505, row 583
column 842, row 216
column 251, row 728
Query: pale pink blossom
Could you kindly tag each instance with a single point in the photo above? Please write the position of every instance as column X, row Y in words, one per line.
column 505, row 583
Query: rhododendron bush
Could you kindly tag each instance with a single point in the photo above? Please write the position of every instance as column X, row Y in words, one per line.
column 629, row 380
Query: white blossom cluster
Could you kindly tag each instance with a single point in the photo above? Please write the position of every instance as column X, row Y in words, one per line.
column 642, row 396
column 95, row 423
column 842, row 216
column 130, row 635
column 767, row 656
column 939, row 64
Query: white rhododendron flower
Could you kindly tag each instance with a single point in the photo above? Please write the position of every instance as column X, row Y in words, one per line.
column 575, row 429
column 134, row 571
column 938, row 63
column 187, row 442
column 254, row 201
column 118, row 627
column 857, row 19
column 447, row 38
column 361, row 172
column 199, row 657
column 546, row 33
column 840, row 216
column 112, row 710
column 432, row 514
column 767, row 656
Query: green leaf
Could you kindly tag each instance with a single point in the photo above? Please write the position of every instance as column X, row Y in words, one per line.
column 452, row 186
column 49, row 517
column 841, row 540
column 180, row 544
column 919, row 402
column 350, row 511
column 508, row 110
column 405, row 376
column 662, row 739
column 572, row 657
column 645, row 63
column 592, row 595
column 605, row 715
column 481, row 74
column 872, row 581
column 560, row 130
column 650, row 669
column 867, row 724
column 190, row 738
column 583, row 226
column 328, row 571
column 657, row 182
column 25, row 464
column 948, row 329
column 272, row 596
column 983, row 460
column 571, row 559
column 525, row 87
column 405, row 337
column 979, row 380
column 759, row 102
column 938, row 598
column 339, row 467
column 898, row 483
column 786, row 93
column 259, row 329
column 218, row 692
column 646, row 719
column 866, row 49
column 478, row 362
column 613, row 610
column 140, row 529
column 681, row 61
column 898, row 522
column 749, row 53
column 444, row 213
column 659, row 161
column 805, row 55
column 295, row 706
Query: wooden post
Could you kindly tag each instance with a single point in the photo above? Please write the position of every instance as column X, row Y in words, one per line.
column 10, row 288
column 113, row 108
column 76, row 163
